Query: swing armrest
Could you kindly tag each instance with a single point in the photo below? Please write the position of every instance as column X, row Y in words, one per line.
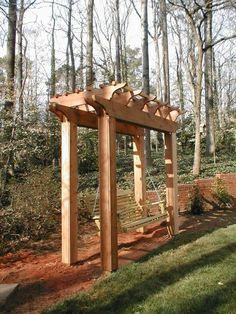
column 159, row 202
column 96, row 217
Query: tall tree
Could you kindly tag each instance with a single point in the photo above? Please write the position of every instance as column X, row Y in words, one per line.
column 81, row 63
column 53, row 57
column 124, row 24
column 196, row 13
column 165, row 51
column 9, row 120
column 179, row 66
column 208, row 72
column 197, row 87
column 11, row 51
column 195, row 59
column 195, row 74
column 21, row 57
column 89, row 56
column 118, row 41
column 70, row 47
column 145, row 66
column 156, row 37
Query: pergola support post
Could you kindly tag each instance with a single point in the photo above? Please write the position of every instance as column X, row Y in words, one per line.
column 171, row 182
column 107, row 184
column 139, row 172
column 69, row 191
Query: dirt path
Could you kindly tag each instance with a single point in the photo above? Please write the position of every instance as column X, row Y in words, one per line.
column 44, row 280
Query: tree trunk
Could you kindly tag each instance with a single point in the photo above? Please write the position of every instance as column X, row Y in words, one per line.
column 81, row 64
column 70, row 45
column 165, row 51
column 180, row 83
column 157, row 51
column 195, row 75
column 67, row 67
column 197, row 111
column 145, row 74
column 220, row 96
column 89, row 57
column 124, row 61
column 179, row 71
column 11, row 52
column 208, row 67
column 158, row 71
column 215, row 94
column 53, row 58
column 118, row 42
column 20, row 61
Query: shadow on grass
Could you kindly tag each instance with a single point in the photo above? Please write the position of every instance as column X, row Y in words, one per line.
column 210, row 302
column 189, row 235
column 190, row 231
column 153, row 284
column 129, row 298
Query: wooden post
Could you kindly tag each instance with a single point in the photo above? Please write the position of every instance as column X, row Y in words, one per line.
column 69, row 191
column 171, row 182
column 107, row 183
column 139, row 172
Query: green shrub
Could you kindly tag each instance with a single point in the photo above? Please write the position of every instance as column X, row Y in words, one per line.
column 87, row 151
column 221, row 195
column 34, row 211
column 196, row 201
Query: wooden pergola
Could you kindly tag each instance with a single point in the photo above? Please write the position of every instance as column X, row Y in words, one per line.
column 112, row 109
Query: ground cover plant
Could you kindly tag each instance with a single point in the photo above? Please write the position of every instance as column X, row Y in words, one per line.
column 194, row 273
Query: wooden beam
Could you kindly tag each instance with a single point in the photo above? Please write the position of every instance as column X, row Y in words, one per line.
column 139, row 172
column 90, row 119
column 77, row 99
column 133, row 116
column 127, row 129
column 174, row 114
column 171, row 182
column 107, row 184
column 69, row 191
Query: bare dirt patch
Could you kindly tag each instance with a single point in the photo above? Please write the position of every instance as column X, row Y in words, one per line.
column 44, row 280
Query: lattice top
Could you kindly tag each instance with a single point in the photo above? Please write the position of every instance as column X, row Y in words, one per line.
column 119, row 101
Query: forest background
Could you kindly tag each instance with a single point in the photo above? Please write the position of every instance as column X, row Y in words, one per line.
column 181, row 51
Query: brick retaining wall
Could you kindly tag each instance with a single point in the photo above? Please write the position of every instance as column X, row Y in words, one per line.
column 205, row 185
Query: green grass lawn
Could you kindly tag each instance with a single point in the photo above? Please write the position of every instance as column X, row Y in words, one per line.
column 193, row 273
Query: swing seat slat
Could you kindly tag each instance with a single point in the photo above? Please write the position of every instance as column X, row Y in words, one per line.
column 130, row 215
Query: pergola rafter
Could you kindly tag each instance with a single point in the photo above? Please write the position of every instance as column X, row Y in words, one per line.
column 118, row 101
column 112, row 109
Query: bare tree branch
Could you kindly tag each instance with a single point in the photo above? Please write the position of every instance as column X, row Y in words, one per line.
column 219, row 41
column 136, row 10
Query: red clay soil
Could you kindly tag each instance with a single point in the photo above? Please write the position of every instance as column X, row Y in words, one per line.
column 44, row 280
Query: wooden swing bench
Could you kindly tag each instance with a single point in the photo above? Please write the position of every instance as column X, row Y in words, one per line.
column 130, row 215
